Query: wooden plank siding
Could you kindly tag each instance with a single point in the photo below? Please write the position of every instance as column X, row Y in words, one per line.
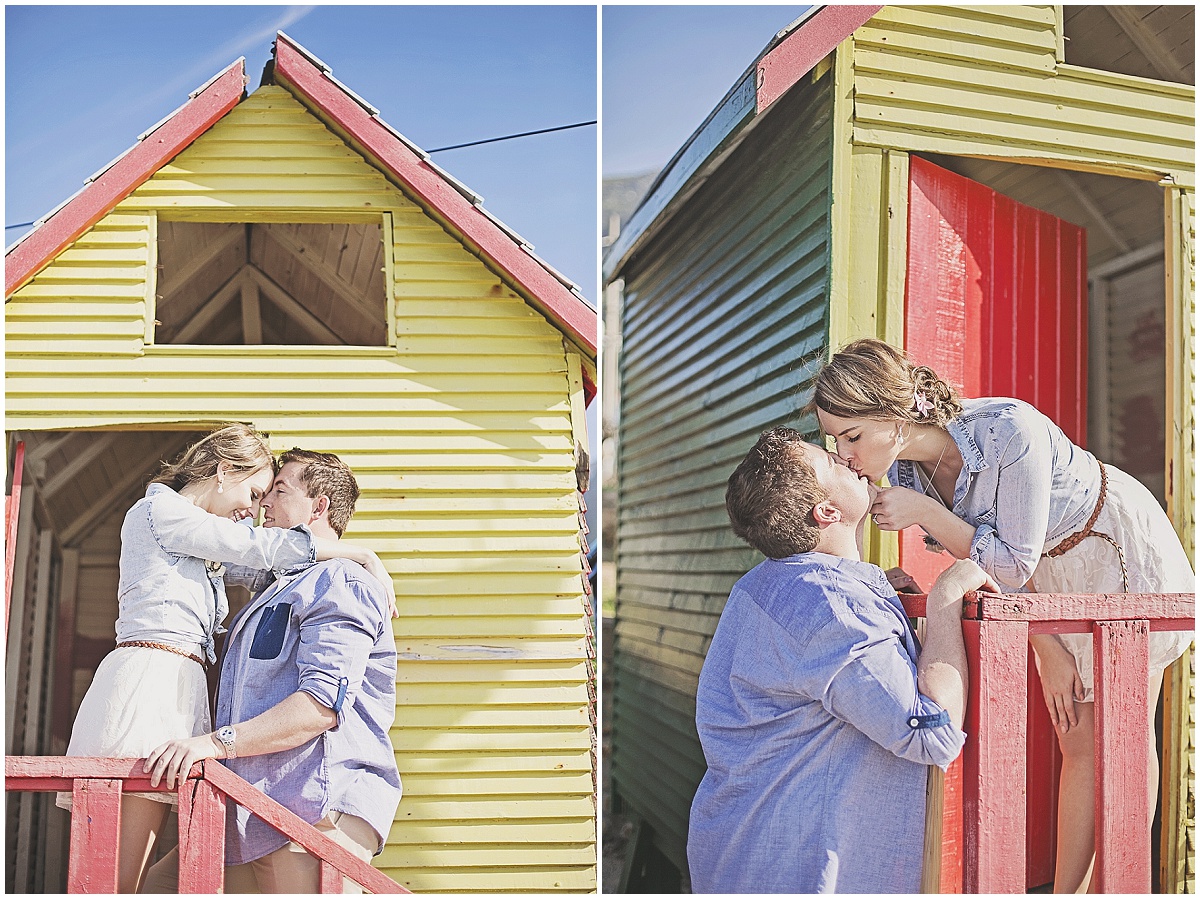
column 983, row 81
column 461, row 437
column 725, row 313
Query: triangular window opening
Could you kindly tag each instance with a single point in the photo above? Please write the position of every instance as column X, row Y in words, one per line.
column 242, row 283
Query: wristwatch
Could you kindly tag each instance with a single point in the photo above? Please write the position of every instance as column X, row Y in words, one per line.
column 226, row 736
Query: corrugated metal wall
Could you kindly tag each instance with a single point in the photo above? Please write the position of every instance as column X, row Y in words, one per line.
column 461, row 438
column 984, row 81
column 721, row 311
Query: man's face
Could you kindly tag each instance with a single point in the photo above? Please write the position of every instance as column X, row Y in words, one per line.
column 288, row 504
column 851, row 493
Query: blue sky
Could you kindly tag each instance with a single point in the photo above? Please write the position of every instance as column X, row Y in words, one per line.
column 667, row 67
column 83, row 82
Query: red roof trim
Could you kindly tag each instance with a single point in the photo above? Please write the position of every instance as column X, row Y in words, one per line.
column 121, row 179
column 297, row 72
column 800, row 51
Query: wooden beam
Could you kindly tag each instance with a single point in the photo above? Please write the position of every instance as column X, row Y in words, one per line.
column 95, row 822
column 1158, row 54
column 198, row 262
column 1131, row 260
column 251, row 313
column 64, row 654
column 103, row 506
column 211, row 309
column 1099, row 219
column 98, row 446
column 281, row 298
column 47, row 445
column 1121, row 666
column 16, row 624
column 346, row 291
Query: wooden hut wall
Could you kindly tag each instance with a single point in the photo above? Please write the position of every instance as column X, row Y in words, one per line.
column 721, row 311
column 461, row 435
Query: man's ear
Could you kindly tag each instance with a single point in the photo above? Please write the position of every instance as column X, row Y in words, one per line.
column 320, row 506
column 826, row 513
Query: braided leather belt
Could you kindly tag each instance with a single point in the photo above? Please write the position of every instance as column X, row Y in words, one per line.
column 147, row 644
column 1075, row 539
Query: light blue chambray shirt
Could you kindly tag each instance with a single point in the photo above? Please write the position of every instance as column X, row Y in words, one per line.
column 1024, row 485
column 817, row 740
column 326, row 631
column 171, row 588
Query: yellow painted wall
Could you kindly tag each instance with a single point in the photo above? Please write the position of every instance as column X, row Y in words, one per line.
column 461, row 436
column 984, row 81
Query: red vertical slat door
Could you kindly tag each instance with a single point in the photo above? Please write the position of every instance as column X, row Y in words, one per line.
column 996, row 302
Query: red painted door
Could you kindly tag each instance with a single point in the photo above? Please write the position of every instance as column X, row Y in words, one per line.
column 996, row 302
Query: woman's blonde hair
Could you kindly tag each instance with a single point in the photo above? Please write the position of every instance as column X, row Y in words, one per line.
column 243, row 448
column 872, row 379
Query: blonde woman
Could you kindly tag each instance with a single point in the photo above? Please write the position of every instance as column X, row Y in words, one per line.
column 175, row 544
column 996, row 481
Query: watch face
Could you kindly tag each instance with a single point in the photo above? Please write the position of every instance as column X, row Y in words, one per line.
column 225, row 734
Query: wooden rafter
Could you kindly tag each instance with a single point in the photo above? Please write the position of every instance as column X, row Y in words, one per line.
column 104, row 505
column 1099, row 219
column 328, row 276
column 95, row 448
column 281, row 298
column 210, row 309
column 252, row 333
column 47, row 446
column 1158, row 54
column 198, row 262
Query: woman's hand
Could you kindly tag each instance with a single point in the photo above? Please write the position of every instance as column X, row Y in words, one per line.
column 1061, row 685
column 375, row 567
column 896, row 508
column 172, row 761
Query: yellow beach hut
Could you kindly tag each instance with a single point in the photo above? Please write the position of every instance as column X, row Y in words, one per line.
column 287, row 259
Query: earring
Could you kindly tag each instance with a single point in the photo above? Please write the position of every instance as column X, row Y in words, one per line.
column 901, row 435
column 220, row 489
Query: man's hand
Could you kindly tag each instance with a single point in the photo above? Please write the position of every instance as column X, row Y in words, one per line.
column 961, row 578
column 172, row 761
column 902, row 581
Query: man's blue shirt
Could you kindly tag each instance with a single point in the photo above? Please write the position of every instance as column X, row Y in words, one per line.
column 324, row 631
column 817, row 740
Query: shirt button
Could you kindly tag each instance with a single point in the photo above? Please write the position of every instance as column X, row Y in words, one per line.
column 913, row 722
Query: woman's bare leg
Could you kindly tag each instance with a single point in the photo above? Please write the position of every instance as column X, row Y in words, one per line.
column 1076, row 803
column 141, row 822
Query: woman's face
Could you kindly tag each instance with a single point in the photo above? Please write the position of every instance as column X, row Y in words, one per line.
column 867, row 445
column 240, row 494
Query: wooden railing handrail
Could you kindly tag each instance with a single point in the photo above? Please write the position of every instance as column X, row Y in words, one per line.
column 49, row 773
column 1043, row 611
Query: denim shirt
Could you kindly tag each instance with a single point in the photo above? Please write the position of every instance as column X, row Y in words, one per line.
column 1024, row 485
column 817, row 740
column 171, row 588
column 325, row 631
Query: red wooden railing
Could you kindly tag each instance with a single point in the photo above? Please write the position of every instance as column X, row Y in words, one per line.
column 985, row 795
column 96, row 786
column 12, row 512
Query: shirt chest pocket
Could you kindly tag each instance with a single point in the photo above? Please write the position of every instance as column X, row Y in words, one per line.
column 272, row 628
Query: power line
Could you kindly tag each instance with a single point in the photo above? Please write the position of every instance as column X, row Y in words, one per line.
column 492, row 140
column 474, row 143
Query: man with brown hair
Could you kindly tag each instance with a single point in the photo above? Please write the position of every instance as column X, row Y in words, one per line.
column 306, row 698
column 818, row 711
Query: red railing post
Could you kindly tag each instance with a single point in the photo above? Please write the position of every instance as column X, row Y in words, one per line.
column 1122, row 684
column 994, row 757
column 95, row 836
column 330, row 879
column 201, row 836
column 12, row 512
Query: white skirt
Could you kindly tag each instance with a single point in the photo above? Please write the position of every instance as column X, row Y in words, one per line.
column 1154, row 558
column 139, row 699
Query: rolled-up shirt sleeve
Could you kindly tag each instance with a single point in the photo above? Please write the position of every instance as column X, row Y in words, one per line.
column 870, row 682
column 1009, row 548
column 183, row 529
column 337, row 634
